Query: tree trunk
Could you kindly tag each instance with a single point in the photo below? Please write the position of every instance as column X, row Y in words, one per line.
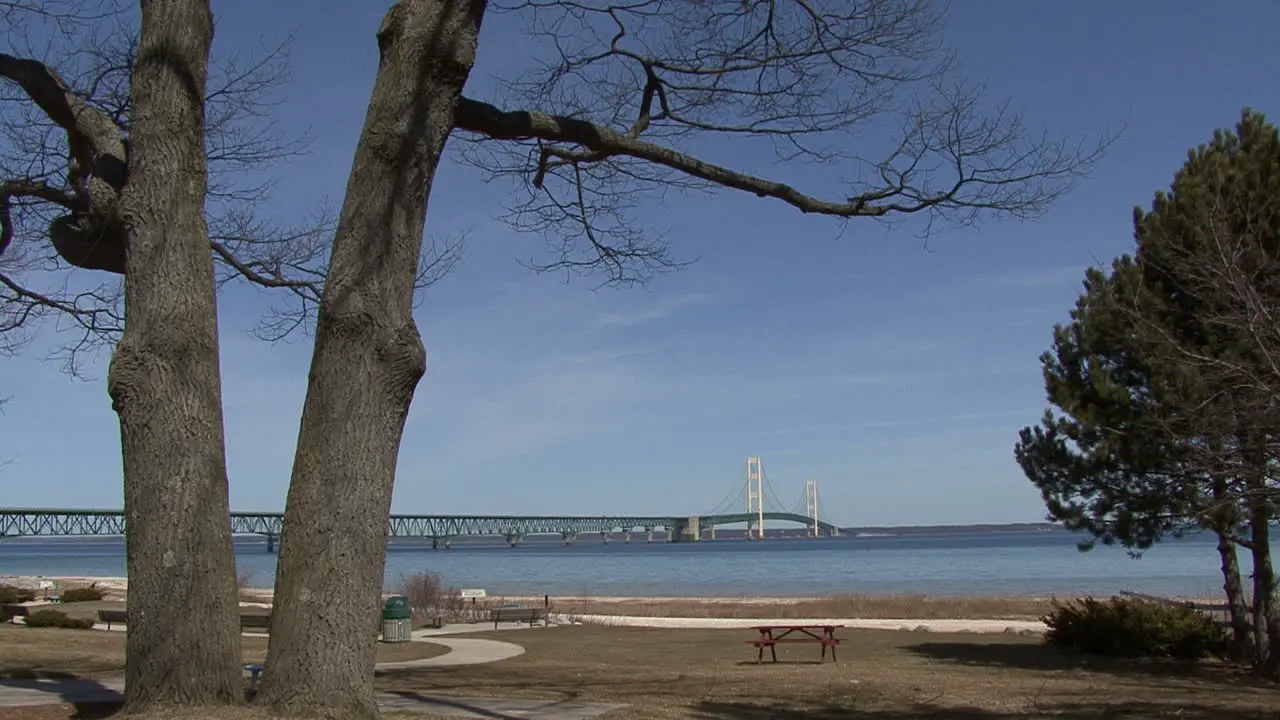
column 1226, row 520
column 1266, row 616
column 183, row 644
column 367, row 361
column 1241, row 627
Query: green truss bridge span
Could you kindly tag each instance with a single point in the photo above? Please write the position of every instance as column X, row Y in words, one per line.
column 46, row 522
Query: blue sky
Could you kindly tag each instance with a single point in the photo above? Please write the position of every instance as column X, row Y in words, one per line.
column 895, row 374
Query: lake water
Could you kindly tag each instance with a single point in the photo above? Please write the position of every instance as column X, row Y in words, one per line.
column 990, row 563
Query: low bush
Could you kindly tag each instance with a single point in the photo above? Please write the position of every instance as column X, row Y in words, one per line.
column 1133, row 628
column 57, row 619
column 429, row 596
column 82, row 594
column 11, row 594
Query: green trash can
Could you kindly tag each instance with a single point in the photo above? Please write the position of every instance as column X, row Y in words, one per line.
column 396, row 623
column 396, row 608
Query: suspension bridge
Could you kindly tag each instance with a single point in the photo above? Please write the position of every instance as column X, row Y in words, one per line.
column 745, row 504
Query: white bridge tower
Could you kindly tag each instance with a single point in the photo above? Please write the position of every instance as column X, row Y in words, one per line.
column 755, row 498
column 811, row 505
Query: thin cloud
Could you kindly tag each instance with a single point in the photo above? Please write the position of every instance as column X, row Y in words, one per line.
column 660, row 309
column 1034, row 278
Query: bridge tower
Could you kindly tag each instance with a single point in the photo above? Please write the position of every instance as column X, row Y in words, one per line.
column 811, row 504
column 755, row 497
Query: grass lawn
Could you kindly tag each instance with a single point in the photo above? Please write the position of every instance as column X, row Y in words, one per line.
column 711, row 675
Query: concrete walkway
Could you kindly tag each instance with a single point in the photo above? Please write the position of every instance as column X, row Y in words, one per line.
column 462, row 651
column 944, row 626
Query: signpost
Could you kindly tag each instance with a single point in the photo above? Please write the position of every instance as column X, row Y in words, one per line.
column 474, row 593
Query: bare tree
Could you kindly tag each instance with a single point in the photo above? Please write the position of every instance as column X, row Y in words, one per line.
column 97, row 173
column 164, row 381
column 65, row 117
column 621, row 96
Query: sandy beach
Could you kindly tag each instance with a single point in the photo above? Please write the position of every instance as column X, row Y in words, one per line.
column 885, row 612
column 1013, row 615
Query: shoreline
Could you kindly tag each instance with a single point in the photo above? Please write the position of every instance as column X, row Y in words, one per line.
column 116, row 589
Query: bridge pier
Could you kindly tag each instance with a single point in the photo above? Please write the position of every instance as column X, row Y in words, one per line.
column 649, row 539
column 569, row 537
column 514, row 540
column 685, row 529
column 271, row 543
column 604, row 536
column 435, row 543
column 626, row 537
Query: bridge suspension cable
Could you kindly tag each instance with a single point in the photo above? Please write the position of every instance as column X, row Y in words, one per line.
column 731, row 501
column 772, row 495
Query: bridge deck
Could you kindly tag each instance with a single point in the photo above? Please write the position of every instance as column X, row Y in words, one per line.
column 62, row 522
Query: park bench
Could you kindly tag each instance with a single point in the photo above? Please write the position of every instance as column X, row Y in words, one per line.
column 119, row 617
column 256, row 623
column 517, row 614
column 12, row 611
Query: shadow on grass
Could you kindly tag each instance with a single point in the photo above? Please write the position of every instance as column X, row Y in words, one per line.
column 1083, row 711
column 1045, row 658
column 91, row 699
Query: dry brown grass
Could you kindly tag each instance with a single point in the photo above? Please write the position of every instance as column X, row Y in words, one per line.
column 711, row 675
column 840, row 606
column 52, row 652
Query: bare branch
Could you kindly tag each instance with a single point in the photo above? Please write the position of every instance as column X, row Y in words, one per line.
column 64, row 119
column 622, row 90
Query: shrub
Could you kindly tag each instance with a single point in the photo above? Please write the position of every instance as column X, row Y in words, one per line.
column 424, row 590
column 11, row 594
column 1132, row 628
column 82, row 594
column 428, row 596
column 57, row 619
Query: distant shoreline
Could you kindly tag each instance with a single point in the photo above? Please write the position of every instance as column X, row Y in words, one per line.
column 116, row 588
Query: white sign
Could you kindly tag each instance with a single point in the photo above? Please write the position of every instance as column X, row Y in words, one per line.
column 474, row 593
column 48, row 584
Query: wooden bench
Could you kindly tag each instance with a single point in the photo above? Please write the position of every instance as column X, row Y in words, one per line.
column 256, row 623
column 529, row 615
column 120, row 617
column 13, row 611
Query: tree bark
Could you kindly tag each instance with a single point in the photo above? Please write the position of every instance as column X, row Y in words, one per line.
column 1225, row 521
column 1266, row 616
column 183, row 644
column 367, row 361
column 1241, row 627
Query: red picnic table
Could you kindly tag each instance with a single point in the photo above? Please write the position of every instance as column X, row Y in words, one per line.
column 822, row 634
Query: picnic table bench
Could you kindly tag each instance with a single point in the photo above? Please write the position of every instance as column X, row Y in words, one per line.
column 255, row 622
column 772, row 635
column 12, row 611
column 517, row 614
column 120, row 617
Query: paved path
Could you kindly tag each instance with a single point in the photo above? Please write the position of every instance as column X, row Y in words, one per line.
column 945, row 626
column 462, row 651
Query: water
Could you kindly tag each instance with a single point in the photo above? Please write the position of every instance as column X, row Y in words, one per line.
column 989, row 563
